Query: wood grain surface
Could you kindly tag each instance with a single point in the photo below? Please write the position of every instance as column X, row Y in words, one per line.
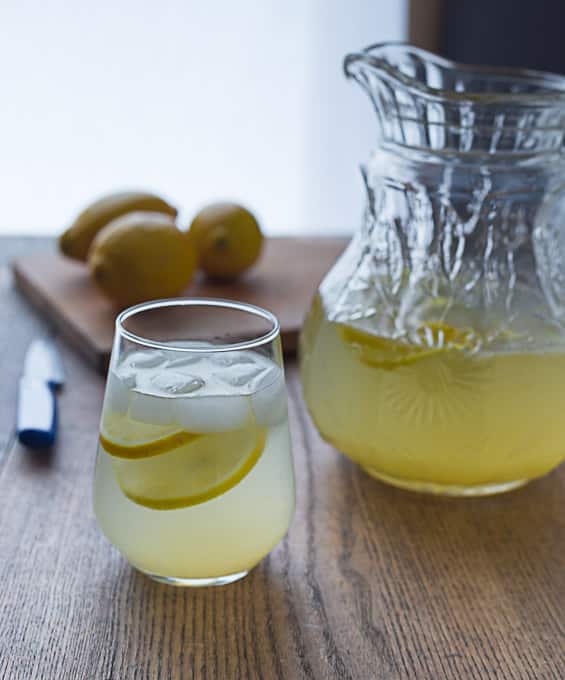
column 370, row 582
column 284, row 281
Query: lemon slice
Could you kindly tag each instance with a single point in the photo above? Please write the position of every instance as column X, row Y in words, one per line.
column 388, row 353
column 123, row 437
column 201, row 468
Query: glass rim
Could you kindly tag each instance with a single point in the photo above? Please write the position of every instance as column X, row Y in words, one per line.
column 259, row 341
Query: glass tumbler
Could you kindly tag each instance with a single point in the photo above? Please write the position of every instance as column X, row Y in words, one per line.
column 194, row 480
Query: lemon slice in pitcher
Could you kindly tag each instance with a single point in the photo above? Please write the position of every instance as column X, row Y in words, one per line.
column 200, row 468
column 390, row 353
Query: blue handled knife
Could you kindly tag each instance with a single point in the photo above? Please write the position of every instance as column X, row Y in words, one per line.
column 36, row 418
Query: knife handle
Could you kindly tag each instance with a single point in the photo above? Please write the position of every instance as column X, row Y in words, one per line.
column 36, row 418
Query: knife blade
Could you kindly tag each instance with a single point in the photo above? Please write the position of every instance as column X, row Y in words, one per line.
column 36, row 418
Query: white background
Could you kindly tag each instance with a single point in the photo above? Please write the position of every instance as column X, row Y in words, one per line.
column 199, row 101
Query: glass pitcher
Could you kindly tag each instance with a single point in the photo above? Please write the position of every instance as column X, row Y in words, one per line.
column 434, row 352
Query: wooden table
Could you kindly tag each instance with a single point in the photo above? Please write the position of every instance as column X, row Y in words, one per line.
column 370, row 582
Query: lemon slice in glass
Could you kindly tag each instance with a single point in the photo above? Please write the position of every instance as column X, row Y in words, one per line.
column 123, row 437
column 181, row 469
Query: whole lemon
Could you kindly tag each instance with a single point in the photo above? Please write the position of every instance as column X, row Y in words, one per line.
column 141, row 256
column 76, row 240
column 228, row 240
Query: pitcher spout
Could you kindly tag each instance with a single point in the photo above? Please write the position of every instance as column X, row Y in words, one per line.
column 424, row 101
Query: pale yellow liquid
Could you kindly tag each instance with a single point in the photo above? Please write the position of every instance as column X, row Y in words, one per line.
column 221, row 537
column 449, row 421
column 227, row 535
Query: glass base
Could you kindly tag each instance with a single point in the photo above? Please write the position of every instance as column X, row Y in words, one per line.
column 446, row 489
column 195, row 582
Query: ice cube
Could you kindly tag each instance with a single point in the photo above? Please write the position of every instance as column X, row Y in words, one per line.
column 219, row 413
column 268, row 401
column 150, row 408
column 239, row 375
column 181, row 362
column 118, row 386
column 171, row 383
column 226, row 359
column 144, row 359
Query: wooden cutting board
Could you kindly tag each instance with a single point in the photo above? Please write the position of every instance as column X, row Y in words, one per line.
column 284, row 281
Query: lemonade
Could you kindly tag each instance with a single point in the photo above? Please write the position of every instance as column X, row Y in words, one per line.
column 194, row 480
column 434, row 411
